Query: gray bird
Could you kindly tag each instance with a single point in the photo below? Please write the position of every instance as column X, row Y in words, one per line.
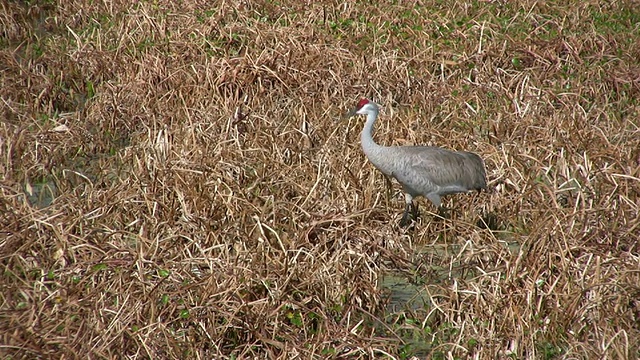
column 426, row 171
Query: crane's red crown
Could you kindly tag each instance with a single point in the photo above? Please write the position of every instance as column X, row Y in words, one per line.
column 362, row 103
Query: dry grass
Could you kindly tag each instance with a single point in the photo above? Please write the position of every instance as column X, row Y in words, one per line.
column 208, row 204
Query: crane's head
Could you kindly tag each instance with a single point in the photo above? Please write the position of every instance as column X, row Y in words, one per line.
column 364, row 107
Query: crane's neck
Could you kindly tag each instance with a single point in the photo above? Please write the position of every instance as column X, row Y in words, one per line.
column 366, row 137
column 373, row 151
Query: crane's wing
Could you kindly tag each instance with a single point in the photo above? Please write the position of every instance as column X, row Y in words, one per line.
column 441, row 170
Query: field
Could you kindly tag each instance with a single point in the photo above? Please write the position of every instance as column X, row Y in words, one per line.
column 178, row 180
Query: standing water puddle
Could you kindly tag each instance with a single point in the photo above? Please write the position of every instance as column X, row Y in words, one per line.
column 409, row 299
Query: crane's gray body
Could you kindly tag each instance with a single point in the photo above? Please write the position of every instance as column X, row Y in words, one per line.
column 429, row 171
column 426, row 171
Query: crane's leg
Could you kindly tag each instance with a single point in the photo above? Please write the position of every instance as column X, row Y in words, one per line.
column 389, row 189
column 407, row 216
column 411, row 212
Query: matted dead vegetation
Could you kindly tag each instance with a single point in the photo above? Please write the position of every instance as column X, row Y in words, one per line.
column 177, row 181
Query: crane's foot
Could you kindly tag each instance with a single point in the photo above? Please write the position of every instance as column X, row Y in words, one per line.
column 410, row 215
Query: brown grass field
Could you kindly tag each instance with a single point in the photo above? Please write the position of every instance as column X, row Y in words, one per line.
column 178, row 181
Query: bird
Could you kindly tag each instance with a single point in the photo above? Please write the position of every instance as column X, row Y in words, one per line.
column 428, row 171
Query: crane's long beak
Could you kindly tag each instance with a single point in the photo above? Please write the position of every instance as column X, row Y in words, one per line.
column 350, row 113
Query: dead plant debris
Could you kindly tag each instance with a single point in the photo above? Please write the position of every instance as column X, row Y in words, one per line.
column 176, row 180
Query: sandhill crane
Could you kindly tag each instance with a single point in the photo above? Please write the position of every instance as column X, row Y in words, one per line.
column 426, row 171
